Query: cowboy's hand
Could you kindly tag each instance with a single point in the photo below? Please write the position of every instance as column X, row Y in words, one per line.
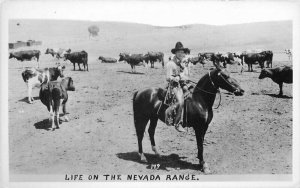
column 176, row 79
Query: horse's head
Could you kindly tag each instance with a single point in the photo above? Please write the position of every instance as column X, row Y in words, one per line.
column 221, row 78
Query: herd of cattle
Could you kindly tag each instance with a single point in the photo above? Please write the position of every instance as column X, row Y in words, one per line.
column 52, row 91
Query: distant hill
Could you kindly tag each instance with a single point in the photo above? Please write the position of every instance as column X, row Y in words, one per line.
column 115, row 37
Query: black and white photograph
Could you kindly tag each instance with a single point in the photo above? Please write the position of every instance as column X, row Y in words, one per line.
column 190, row 93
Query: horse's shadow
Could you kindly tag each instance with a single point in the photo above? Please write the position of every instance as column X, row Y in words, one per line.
column 25, row 99
column 164, row 161
column 131, row 72
column 279, row 96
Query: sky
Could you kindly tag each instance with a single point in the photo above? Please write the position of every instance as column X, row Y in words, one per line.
column 159, row 13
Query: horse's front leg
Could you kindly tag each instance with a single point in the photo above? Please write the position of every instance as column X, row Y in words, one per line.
column 200, row 138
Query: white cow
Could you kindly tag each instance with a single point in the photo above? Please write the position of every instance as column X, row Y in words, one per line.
column 35, row 77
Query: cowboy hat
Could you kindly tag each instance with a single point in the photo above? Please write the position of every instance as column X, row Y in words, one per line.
column 179, row 46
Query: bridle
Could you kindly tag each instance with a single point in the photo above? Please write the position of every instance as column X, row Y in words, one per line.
column 212, row 83
column 217, row 89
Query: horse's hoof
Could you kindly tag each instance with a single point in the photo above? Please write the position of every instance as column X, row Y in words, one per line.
column 143, row 158
column 52, row 129
column 205, row 169
column 67, row 119
column 155, row 151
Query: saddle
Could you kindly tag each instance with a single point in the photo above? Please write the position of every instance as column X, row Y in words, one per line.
column 167, row 96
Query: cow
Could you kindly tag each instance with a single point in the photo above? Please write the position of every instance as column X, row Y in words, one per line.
column 61, row 52
column 230, row 59
column 26, row 55
column 51, row 51
column 279, row 75
column 51, row 94
column 35, row 77
column 207, row 55
column 78, row 57
column 133, row 60
column 58, row 53
column 153, row 57
column 289, row 52
column 252, row 58
column 195, row 60
column 268, row 57
column 107, row 59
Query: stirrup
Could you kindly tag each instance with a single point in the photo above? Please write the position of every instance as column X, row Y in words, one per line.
column 179, row 127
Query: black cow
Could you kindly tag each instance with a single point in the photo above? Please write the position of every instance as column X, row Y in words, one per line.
column 153, row 57
column 133, row 60
column 216, row 58
column 78, row 57
column 268, row 57
column 252, row 58
column 107, row 59
column 51, row 95
column 279, row 75
column 207, row 55
column 26, row 55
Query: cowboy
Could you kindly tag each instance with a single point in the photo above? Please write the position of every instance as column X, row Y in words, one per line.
column 177, row 78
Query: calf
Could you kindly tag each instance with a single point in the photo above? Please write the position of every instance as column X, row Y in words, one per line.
column 133, row 60
column 35, row 77
column 107, row 59
column 279, row 75
column 26, row 55
column 79, row 58
column 51, row 95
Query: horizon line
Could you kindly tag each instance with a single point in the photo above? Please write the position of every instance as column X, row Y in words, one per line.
column 162, row 26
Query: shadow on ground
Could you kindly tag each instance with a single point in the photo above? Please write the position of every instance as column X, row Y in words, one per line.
column 25, row 99
column 165, row 161
column 131, row 72
column 278, row 96
column 44, row 124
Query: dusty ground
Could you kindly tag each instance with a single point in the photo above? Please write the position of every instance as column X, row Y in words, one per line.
column 251, row 134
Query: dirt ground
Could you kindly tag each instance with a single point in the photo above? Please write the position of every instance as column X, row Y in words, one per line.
column 251, row 134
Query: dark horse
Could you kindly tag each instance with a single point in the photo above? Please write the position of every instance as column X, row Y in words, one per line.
column 198, row 107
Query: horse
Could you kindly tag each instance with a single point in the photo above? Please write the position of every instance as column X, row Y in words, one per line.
column 148, row 105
